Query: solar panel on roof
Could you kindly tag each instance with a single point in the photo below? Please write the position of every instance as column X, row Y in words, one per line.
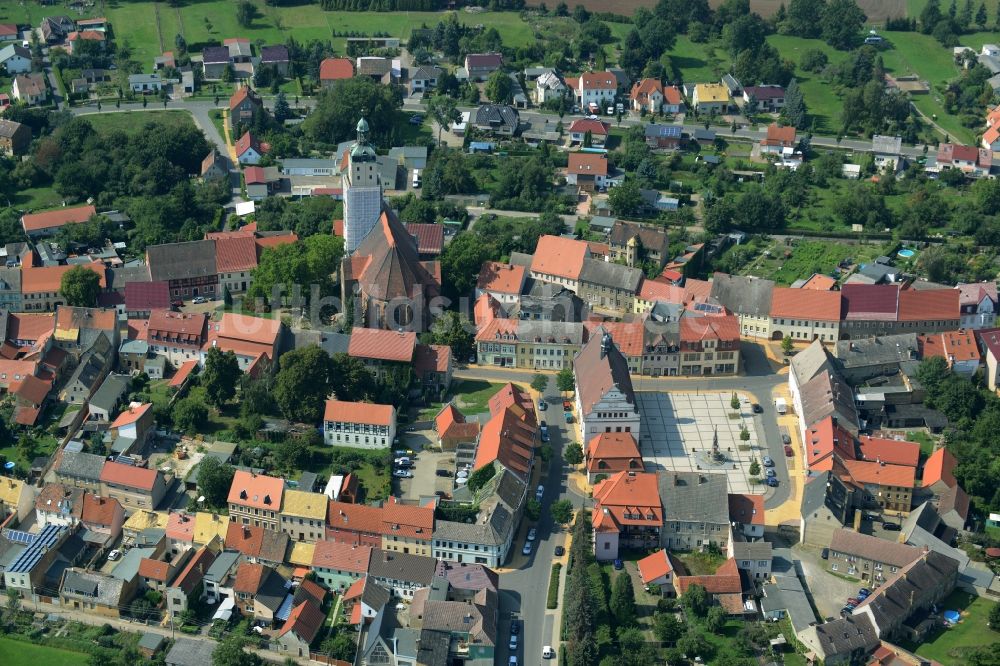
column 125, row 460
column 285, row 609
column 30, row 556
column 17, row 536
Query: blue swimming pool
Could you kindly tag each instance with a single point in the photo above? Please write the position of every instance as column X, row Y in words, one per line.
column 905, row 253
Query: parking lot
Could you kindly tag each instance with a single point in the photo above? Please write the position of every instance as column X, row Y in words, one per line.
column 677, row 426
column 426, row 460
column 829, row 593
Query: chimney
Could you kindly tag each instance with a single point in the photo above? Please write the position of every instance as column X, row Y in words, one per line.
column 246, row 531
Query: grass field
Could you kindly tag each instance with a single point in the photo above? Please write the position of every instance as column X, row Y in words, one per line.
column 19, row 653
column 698, row 62
column 822, row 101
column 133, row 121
column 473, row 396
column 949, row 645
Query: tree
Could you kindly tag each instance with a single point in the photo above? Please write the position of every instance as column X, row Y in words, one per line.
column 994, row 618
column 695, row 599
column 981, row 16
column 930, row 16
column 754, row 468
column 341, row 646
column 841, row 23
column 292, row 454
column 801, row 20
column 189, row 415
column 734, row 402
column 303, row 382
column 623, row 599
column 794, row 111
column 787, row 345
column 27, row 445
column 533, row 509
column 715, row 619
column 625, row 199
column 540, row 382
column 499, row 88
column 460, row 264
column 573, row 455
column 744, row 434
column 214, row 479
column 282, row 111
column 222, row 372
column 80, row 287
column 565, row 381
column 246, row 12
column 562, row 511
column 694, row 644
column 230, row 652
column 444, row 110
column 583, row 651
column 667, row 627
column 480, row 477
column 338, row 108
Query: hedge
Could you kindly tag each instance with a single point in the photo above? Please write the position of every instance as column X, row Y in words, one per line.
column 553, row 598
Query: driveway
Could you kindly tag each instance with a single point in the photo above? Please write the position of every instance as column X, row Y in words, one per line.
column 425, row 481
column 829, row 593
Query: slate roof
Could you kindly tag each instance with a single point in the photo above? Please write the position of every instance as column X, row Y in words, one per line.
column 846, row 635
column 694, row 496
column 607, row 274
column 497, row 115
column 178, row 261
column 600, row 366
column 110, row 391
column 872, row 548
column 405, row 567
column 896, row 600
column 86, row 466
column 743, row 294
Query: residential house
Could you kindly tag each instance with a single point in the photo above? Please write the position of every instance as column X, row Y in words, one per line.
column 56, row 504
column 594, row 90
column 722, row 587
column 453, row 429
column 14, row 137
column 779, row 139
column 337, row 565
column 503, row 282
column 648, row 95
column 609, row 453
column 255, row 499
column 805, row 314
column 133, row 427
column 214, row 166
column 636, row 244
column 454, row 624
column 301, row 628
column 30, row 89
column 248, row 149
column 479, row 66
column 332, row 70
column 54, row 29
column 826, row 507
column 887, row 151
column 549, row 87
column 971, row 160
column 605, row 400
column 145, row 83
column 141, row 298
column 401, row 573
column 188, row 585
column 135, row 487
column 276, row 57
column 609, row 288
column 710, row 98
column 257, row 544
column 749, row 298
column 770, row 98
column 657, row 572
column 709, row 345
column 9, row 32
column 868, row 558
column 695, row 510
column 583, row 130
column 251, row 339
column 746, row 514
column 667, row 137
column 303, row 515
column 432, row 367
column 752, row 557
column 261, row 182
column 94, row 365
column 30, row 395
column 845, row 640
column 16, row 499
column 47, row 223
column 95, row 593
column 627, row 513
column 407, row 528
column 989, row 340
column 15, row 59
column 497, row 119
column 106, row 399
column 376, row 68
column 220, row 576
column 189, row 268
column 80, row 470
column 382, row 351
column 259, row 591
column 179, row 336
column 588, row 171
column 958, row 348
column 559, row 260
column 424, row 78
column 978, row 304
column 939, row 472
column 244, row 104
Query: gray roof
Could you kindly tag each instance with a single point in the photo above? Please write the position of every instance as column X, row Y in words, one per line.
column 10, row 279
column 92, row 587
column 11, row 50
column 829, row 395
column 93, row 363
column 134, row 347
column 553, row 332
column 215, row 54
column 497, row 115
column 85, row 466
column 189, row 652
column 814, row 495
column 143, row 78
column 743, row 294
column 434, row 647
column 694, row 496
column 897, row 599
column 406, row 567
column 846, row 635
column 151, row 641
column 872, row 548
column 425, row 72
column 178, row 261
column 888, row 145
column 309, row 163
column 493, row 532
column 521, row 259
column 110, row 391
column 884, row 350
column 878, row 272
column 810, row 362
column 332, row 343
column 752, row 550
column 604, row 222
column 223, row 564
column 128, row 567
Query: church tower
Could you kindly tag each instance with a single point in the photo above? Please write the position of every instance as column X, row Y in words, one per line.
column 362, row 190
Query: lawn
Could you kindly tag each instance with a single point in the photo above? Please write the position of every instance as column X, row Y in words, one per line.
column 21, row 653
column 925, row 441
column 700, row 564
column 698, row 62
column 134, row 121
column 220, row 125
column 473, row 395
column 822, row 101
column 948, row 645
column 36, row 198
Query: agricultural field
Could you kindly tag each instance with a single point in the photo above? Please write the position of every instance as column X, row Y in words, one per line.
column 786, row 263
column 21, row 653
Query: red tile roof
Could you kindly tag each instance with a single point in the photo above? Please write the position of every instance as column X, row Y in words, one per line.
column 43, row 279
column 862, row 302
column 180, row 526
column 254, row 175
column 57, row 218
column 31, row 389
column 805, row 304
column 305, row 620
column 509, row 396
column 258, row 330
column 627, row 498
column 99, row 510
column 430, row 237
column 820, row 282
column 183, row 372
column 779, row 136
column 953, row 346
column 647, row 87
column 265, row 242
column 431, row 358
column 725, row 328
column 746, row 509
column 333, row 69
column 235, row 254
column 194, row 570
column 256, row 491
column 672, row 95
column 656, row 565
column 131, row 415
column 181, row 327
column 584, row 125
column 611, row 452
column 662, row 292
column 501, row 278
column 129, row 476
column 358, row 412
column 725, row 580
column 241, row 95
column 381, row 344
column 26, row 326
column 928, row 304
column 587, row 164
column 880, row 474
column 154, row 569
column 142, row 296
column 506, row 439
column 598, row 81
column 940, row 466
column 822, row 440
column 246, row 142
column 896, row 452
column 558, row 256
column 341, row 556
column 249, row 577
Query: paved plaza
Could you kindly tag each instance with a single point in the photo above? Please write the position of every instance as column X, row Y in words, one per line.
column 677, row 426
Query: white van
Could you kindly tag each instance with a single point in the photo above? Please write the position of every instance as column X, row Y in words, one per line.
column 781, row 406
column 416, row 178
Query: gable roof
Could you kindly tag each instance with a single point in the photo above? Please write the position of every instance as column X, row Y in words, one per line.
column 940, row 466
column 57, row 217
column 333, row 69
column 655, row 565
column 870, row 302
column 872, row 548
column 131, row 415
column 382, row 344
column 559, row 256
column 256, row 490
column 746, row 509
column 99, row 510
column 129, row 476
column 430, row 237
column 587, row 164
column 501, row 278
column 141, row 296
column 694, row 496
column 600, row 367
column 627, row 498
column 359, row 412
column 725, row 580
column 892, row 451
column 342, row 556
column 743, row 294
column 305, row 621
column 598, row 80
column 257, row 542
column 778, row 135
column 179, row 261
column 235, row 254
column 42, row 279
column 584, row 125
column 805, row 304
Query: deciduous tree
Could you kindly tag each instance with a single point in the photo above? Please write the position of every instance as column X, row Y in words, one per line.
column 222, row 372
column 80, row 287
column 214, row 479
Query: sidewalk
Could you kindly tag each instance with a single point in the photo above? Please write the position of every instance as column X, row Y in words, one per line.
column 227, row 136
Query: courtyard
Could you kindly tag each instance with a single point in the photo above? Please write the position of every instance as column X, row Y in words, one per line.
column 678, row 430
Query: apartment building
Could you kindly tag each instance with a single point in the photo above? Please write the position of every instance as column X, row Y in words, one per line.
column 359, row 425
column 255, row 499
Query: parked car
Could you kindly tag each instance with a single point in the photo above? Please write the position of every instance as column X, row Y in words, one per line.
column 444, row 472
column 416, row 119
column 114, row 555
column 515, row 627
column 512, row 645
column 199, row 300
column 539, row 492
column 532, row 533
column 548, row 652
column 177, row 304
column 542, row 405
column 544, row 436
column 512, row 661
column 560, row 551
column 567, row 406
column 772, row 482
column 864, row 593
column 619, row 565
column 766, row 460
column 785, row 439
column 403, row 474
column 442, row 494
column 788, row 451
column 854, row 601
column 402, row 460
column 770, row 473
column 757, row 409
column 892, row 527
column 527, row 548
column 825, row 554
column 568, row 417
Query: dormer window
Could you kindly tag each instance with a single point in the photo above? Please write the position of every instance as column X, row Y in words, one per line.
column 243, row 494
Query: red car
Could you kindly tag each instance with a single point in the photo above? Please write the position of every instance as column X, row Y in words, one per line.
column 788, row 451
column 567, row 406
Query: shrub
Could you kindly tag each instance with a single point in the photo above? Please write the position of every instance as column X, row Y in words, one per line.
column 553, row 598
